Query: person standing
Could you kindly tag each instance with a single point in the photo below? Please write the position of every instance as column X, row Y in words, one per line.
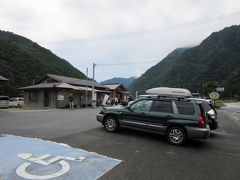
column 71, row 101
column 116, row 101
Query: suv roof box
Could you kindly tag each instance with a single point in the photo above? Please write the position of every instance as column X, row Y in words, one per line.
column 169, row 92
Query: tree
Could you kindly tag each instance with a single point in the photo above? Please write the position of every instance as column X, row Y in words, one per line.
column 233, row 85
column 209, row 87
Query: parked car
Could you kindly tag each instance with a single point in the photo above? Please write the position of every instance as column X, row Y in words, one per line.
column 16, row 102
column 177, row 118
column 211, row 112
column 4, row 102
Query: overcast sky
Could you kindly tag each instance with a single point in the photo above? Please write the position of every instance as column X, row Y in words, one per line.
column 117, row 32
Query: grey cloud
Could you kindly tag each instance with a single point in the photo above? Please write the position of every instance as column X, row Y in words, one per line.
column 61, row 24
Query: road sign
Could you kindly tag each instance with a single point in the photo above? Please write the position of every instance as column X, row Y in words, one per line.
column 60, row 97
column 220, row 89
column 214, row 95
column 31, row 158
column 105, row 99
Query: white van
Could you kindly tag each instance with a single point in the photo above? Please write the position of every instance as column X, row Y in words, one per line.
column 16, row 102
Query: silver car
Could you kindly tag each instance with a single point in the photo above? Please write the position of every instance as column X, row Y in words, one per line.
column 4, row 102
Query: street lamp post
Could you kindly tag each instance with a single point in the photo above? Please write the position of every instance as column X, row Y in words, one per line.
column 93, row 93
column 86, row 88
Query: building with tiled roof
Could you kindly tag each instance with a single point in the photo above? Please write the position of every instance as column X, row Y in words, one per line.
column 53, row 91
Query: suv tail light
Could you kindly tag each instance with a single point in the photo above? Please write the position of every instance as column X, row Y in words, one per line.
column 201, row 122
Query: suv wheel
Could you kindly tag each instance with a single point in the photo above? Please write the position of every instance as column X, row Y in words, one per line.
column 176, row 135
column 111, row 124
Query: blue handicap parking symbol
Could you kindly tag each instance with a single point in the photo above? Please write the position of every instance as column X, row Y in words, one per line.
column 30, row 158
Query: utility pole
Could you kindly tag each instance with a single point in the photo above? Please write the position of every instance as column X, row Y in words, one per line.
column 93, row 93
column 86, row 88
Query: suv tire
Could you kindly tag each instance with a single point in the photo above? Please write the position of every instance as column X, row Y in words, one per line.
column 111, row 124
column 176, row 135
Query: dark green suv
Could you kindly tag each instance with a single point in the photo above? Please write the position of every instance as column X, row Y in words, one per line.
column 177, row 118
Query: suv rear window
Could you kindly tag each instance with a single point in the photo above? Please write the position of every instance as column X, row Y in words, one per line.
column 186, row 108
column 206, row 107
column 162, row 106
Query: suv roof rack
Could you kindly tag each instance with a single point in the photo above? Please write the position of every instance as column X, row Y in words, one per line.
column 169, row 92
column 153, row 96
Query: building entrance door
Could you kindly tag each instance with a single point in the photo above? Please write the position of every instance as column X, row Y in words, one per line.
column 46, row 98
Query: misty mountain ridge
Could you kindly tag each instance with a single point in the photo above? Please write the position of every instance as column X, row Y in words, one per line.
column 124, row 81
column 156, row 73
column 215, row 59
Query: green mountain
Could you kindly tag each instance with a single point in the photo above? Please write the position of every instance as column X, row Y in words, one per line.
column 217, row 58
column 153, row 76
column 124, row 81
column 23, row 62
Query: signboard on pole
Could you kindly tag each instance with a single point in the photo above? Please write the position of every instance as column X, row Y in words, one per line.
column 94, row 96
column 220, row 89
column 214, row 95
column 60, row 97
column 105, row 99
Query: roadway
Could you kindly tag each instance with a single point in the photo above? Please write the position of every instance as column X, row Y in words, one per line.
column 143, row 155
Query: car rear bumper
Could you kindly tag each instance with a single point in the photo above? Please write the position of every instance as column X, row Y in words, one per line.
column 195, row 132
column 100, row 117
column 4, row 106
column 213, row 124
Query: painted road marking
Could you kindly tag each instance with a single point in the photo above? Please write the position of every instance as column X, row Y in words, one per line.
column 40, row 159
column 30, row 158
column 22, row 169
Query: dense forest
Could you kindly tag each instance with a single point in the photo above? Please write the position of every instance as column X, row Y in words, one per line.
column 22, row 62
column 217, row 59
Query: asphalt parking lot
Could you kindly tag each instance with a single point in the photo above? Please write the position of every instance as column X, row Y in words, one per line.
column 143, row 155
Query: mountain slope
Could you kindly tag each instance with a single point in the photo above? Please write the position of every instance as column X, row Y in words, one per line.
column 124, row 81
column 155, row 75
column 23, row 61
column 215, row 59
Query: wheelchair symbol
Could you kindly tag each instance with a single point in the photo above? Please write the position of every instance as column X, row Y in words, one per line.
column 44, row 160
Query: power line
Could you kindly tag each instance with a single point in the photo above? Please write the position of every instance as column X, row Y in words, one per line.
column 157, row 30
column 131, row 63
